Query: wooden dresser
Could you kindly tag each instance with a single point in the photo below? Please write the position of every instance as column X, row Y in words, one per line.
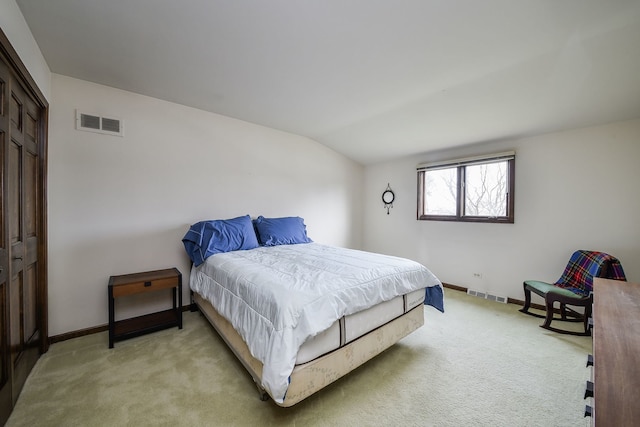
column 616, row 353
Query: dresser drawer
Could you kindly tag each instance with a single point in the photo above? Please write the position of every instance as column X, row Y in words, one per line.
column 144, row 286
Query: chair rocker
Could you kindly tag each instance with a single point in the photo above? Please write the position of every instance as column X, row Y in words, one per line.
column 574, row 288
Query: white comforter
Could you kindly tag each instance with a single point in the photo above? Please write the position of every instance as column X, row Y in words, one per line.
column 277, row 297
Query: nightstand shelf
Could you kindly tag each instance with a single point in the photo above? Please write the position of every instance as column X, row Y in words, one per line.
column 150, row 281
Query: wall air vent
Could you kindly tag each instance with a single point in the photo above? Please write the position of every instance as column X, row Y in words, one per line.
column 99, row 124
column 487, row 296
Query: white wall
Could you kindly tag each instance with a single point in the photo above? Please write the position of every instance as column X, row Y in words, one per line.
column 17, row 31
column 574, row 190
column 122, row 205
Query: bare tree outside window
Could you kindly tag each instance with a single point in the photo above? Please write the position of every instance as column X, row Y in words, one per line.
column 441, row 191
column 486, row 190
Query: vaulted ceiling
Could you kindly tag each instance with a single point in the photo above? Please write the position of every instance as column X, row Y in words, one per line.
column 372, row 79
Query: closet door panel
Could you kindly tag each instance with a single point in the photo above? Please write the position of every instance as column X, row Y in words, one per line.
column 23, row 236
column 6, row 402
column 31, row 227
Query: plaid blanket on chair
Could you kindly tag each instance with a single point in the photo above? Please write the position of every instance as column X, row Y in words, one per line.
column 584, row 266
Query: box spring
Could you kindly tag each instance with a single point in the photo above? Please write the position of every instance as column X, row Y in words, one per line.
column 323, row 361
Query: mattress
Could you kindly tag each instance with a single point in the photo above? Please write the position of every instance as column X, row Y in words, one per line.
column 349, row 328
column 279, row 298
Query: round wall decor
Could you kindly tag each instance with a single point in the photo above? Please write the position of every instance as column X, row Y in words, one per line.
column 388, row 196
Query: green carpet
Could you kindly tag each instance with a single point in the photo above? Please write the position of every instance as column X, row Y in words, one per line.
column 480, row 364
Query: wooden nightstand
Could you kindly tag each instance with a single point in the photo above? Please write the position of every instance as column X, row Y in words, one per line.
column 136, row 283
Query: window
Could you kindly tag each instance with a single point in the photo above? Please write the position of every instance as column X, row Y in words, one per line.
column 478, row 189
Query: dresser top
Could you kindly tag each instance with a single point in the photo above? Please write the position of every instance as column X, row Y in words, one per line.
column 616, row 351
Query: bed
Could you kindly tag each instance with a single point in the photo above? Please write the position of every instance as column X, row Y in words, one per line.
column 298, row 314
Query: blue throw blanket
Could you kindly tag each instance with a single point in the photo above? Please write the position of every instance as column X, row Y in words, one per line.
column 434, row 298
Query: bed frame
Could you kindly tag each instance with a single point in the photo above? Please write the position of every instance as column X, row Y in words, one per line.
column 312, row 376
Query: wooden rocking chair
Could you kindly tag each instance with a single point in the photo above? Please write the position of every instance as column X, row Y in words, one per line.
column 574, row 288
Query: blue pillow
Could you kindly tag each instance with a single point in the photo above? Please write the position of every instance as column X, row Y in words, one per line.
column 206, row 238
column 281, row 231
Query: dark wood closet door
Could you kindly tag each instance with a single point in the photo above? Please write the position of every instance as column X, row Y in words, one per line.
column 23, row 236
column 6, row 400
column 23, row 323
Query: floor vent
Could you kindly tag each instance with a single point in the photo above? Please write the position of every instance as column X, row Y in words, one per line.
column 99, row 124
column 487, row 296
